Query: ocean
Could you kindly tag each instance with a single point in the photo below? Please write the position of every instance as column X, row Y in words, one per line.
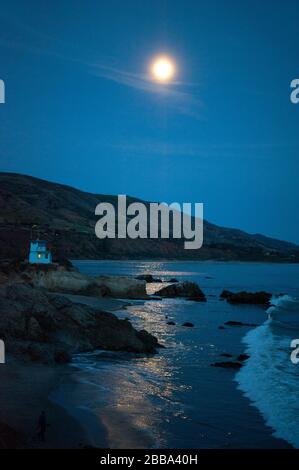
column 176, row 399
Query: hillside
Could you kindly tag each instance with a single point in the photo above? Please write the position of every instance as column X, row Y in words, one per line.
column 65, row 217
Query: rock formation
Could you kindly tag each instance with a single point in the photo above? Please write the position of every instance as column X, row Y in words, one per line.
column 189, row 290
column 48, row 327
column 243, row 297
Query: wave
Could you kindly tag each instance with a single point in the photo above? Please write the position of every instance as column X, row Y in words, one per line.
column 269, row 378
column 284, row 312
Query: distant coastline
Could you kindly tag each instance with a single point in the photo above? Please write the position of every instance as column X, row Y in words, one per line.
column 65, row 218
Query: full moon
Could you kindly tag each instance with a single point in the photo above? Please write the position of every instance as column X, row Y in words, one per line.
column 162, row 69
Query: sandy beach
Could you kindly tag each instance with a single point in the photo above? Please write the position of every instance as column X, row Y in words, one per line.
column 24, row 392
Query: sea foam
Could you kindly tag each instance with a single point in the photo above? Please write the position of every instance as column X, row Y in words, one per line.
column 269, row 378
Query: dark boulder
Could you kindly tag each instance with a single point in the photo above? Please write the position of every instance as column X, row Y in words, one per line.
column 225, row 294
column 170, row 323
column 239, row 323
column 38, row 352
column 249, row 298
column 189, row 290
column 147, row 278
column 148, row 341
column 243, row 357
column 227, row 365
column 234, row 323
column 188, row 324
column 62, row 357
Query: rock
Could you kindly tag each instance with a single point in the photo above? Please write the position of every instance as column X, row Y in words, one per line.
column 189, row 290
column 95, row 290
column 234, row 323
column 188, row 324
column 65, row 262
column 170, row 323
column 59, row 279
column 173, row 280
column 60, row 301
column 147, row 278
column 123, row 287
column 62, row 357
column 221, row 328
column 225, row 294
column 226, row 355
column 227, row 365
column 239, row 323
column 150, row 343
column 38, row 352
column 49, row 328
column 34, row 330
column 251, row 298
column 243, row 357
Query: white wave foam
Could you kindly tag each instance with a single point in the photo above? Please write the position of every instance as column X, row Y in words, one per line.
column 269, row 378
column 284, row 311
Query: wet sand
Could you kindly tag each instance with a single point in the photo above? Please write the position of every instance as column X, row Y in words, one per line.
column 24, row 392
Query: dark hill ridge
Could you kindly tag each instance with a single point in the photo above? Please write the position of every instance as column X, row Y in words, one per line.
column 65, row 217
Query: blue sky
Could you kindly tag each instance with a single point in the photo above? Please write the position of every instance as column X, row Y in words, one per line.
column 80, row 109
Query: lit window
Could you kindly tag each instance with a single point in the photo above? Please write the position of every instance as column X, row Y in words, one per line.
column 39, row 255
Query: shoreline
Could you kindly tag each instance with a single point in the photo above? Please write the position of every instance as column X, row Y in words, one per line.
column 28, row 388
column 92, row 431
column 180, row 260
column 118, row 425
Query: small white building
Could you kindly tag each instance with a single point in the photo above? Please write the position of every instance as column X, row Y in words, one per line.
column 39, row 253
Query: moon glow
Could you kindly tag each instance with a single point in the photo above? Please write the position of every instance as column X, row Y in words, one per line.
column 162, row 69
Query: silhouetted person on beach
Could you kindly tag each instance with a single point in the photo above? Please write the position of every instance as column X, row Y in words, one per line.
column 42, row 425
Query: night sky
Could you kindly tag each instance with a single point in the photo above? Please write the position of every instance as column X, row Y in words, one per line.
column 81, row 109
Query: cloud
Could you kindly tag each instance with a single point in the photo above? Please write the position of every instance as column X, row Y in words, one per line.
column 176, row 94
column 216, row 151
column 171, row 94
